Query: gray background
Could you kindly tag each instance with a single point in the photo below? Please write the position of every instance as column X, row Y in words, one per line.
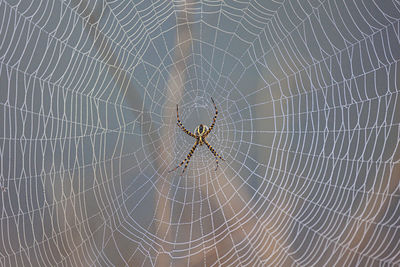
column 308, row 100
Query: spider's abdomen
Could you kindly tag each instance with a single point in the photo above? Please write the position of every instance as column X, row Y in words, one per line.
column 201, row 130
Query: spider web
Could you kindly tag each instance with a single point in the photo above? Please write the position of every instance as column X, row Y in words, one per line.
column 309, row 114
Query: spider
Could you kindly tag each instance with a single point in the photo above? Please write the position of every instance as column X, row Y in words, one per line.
column 200, row 134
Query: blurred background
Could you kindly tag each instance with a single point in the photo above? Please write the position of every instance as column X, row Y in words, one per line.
column 308, row 124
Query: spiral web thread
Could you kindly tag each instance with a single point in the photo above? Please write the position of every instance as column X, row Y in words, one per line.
column 309, row 114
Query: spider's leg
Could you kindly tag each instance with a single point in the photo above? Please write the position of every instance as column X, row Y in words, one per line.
column 187, row 159
column 181, row 125
column 214, row 152
column 214, row 119
column 189, row 156
column 180, row 164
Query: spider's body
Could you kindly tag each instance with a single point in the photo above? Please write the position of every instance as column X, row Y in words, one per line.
column 200, row 134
